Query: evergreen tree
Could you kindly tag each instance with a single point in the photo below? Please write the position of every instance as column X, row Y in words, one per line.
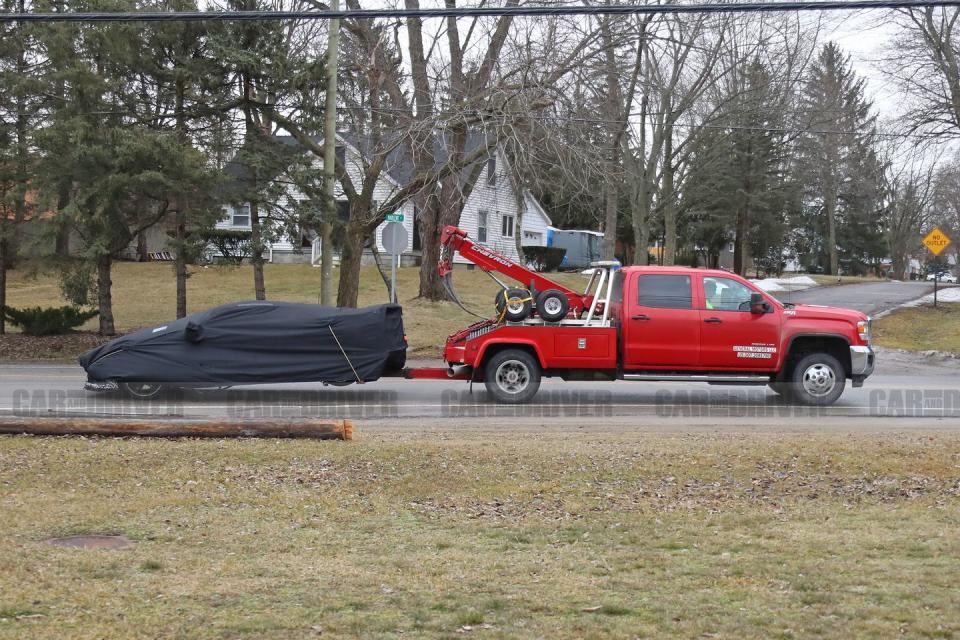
column 111, row 175
column 737, row 189
column 837, row 164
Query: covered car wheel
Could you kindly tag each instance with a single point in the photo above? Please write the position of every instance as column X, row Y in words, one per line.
column 818, row 379
column 512, row 376
column 141, row 390
column 552, row 305
column 517, row 302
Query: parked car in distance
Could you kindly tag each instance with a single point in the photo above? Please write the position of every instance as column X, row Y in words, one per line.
column 943, row 276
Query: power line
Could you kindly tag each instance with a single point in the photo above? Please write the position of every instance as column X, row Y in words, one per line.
column 472, row 12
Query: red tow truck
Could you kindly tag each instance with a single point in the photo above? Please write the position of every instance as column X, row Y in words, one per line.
column 650, row 324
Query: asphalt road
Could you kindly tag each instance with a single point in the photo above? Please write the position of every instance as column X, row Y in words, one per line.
column 869, row 297
column 58, row 389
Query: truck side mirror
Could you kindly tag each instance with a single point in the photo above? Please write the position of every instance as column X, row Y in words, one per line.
column 757, row 304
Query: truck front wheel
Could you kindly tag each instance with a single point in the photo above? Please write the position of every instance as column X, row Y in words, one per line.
column 512, row 376
column 818, row 379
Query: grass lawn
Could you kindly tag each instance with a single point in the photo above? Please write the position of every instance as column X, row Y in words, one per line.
column 826, row 279
column 921, row 328
column 144, row 294
column 493, row 535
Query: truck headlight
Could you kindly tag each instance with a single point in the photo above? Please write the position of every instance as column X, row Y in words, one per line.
column 863, row 330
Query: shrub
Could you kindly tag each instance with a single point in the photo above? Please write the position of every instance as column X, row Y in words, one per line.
column 544, row 258
column 233, row 245
column 45, row 321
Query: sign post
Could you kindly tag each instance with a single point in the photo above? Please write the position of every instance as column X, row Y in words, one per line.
column 936, row 241
column 395, row 240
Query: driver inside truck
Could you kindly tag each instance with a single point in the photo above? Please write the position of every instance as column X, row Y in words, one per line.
column 711, row 293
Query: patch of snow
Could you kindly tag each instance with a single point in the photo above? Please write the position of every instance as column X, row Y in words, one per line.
column 951, row 294
column 797, row 283
column 770, row 285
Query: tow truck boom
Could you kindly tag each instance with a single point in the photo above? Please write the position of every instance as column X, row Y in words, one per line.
column 453, row 239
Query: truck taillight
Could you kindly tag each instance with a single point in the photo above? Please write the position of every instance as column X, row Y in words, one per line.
column 863, row 330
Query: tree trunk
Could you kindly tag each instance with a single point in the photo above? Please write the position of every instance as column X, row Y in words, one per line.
column 351, row 255
column 256, row 252
column 105, row 295
column 430, row 286
column 3, row 282
column 181, row 264
column 610, row 219
column 830, row 208
column 740, row 240
column 669, row 204
column 142, row 247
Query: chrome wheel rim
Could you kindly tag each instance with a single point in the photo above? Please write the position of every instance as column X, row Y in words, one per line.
column 515, row 306
column 513, row 376
column 552, row 306
column 819, row 380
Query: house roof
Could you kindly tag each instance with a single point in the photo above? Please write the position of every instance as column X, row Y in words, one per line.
column 534, row 205
column 400, row 166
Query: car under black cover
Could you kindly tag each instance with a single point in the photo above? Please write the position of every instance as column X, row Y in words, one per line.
column 250, row 343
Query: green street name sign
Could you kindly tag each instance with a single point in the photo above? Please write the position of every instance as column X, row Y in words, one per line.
column 394, row 217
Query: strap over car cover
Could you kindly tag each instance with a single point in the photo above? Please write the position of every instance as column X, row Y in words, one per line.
column 258, row 342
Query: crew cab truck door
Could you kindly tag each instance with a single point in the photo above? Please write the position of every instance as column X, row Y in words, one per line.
column 731, row 336
column 661, row 323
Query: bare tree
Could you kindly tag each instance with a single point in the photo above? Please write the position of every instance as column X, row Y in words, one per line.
column 909, row 194
column 925, row 61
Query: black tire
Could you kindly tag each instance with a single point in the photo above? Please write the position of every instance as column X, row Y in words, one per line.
column 517, row 302
column 818, row 380
column 141, row 390
column 512, row 376
column 552, row 305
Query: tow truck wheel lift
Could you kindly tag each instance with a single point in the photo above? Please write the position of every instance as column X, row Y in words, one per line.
column 540, row 302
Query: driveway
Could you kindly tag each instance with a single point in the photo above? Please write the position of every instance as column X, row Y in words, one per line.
column 868, row 297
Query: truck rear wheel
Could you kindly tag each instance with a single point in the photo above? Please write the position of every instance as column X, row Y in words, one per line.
column 512, row 376
column 818, row 379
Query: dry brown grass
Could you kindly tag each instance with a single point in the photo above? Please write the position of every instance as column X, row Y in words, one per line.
column 921, row 328
column 144, row 294
column 485, row 534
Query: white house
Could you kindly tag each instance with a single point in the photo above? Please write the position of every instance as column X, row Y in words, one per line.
column 489, row 215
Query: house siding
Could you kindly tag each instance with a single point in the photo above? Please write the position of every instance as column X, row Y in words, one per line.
column 383, row 190
column 498, row 199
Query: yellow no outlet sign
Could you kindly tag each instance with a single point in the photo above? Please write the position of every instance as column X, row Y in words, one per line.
column 936, row 241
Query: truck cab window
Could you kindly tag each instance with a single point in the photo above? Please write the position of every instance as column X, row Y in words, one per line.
column 724, row 294
column 665, row 292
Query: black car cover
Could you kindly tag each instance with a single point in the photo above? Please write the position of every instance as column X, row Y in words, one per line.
column 253, row 342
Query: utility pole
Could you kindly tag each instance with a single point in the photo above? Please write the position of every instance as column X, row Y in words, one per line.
column 329, row 161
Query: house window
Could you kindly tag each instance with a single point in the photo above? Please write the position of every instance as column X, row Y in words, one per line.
column 506, row 226
column 492, row 170
column 241, row 216
column 482, row 219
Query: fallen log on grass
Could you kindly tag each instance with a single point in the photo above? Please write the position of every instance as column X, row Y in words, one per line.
column 178, row 428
